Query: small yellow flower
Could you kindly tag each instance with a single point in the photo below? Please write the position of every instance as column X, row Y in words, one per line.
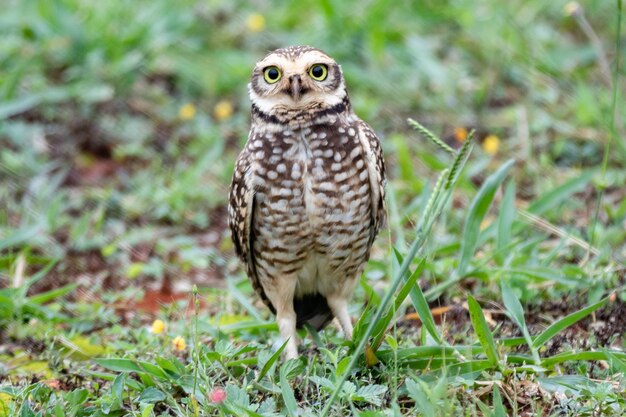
column 157, row 327
column 255, row 22
column 187, row 112
column 572, row 8
column 223, row 110
column 460, row 134
column 179, row 343
column 491, row 144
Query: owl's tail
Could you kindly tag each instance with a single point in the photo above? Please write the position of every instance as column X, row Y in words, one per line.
column 312, row 309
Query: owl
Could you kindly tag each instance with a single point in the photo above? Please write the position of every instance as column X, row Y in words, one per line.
column 307, row 196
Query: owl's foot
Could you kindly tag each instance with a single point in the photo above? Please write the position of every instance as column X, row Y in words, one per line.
column 287, row 326
column 339, row 307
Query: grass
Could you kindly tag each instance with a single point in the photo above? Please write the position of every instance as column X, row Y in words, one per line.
column 498, row 289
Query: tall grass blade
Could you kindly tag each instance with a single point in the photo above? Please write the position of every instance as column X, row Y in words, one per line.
column 482, row 331
column 287, row 371
column 429, row 135
column 516, row 312
column 477, row 211
column 408, row 287
column 461, row 159
column 498, row 407
column 421, row 306
column 556, row 327
column 271, row 361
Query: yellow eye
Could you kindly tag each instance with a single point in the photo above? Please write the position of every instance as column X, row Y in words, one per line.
column 318, row 72
column 271, row 74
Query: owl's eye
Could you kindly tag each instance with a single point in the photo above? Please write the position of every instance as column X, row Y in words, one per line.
column 318, row 72
column 271, row 74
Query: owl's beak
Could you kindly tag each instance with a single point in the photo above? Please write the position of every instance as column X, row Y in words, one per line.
column 295, row 87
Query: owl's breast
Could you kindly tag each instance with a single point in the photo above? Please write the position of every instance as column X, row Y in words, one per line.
column 313, row 205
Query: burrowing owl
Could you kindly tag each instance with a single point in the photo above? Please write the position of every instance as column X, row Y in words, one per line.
column 307, row 196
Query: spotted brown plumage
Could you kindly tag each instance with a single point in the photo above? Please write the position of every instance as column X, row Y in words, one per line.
column 307, row 196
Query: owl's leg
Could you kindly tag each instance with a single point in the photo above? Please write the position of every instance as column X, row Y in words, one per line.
column 281, row 295
column 339, row 306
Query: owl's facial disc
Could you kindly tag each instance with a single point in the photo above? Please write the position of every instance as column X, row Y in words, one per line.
column 296, row 79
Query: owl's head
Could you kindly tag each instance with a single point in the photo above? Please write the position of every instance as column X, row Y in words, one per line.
column 297, row 79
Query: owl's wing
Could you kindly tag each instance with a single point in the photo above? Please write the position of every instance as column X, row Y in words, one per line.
column 241, row 207
column 378, row 177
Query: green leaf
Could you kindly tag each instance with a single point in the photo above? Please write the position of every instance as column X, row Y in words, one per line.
column 52, row 294
column 498, row 407
column 154, row 370
column 418, row 392
column 119, row 365
column 567, row 383
column 466, row 368
column 422, row 308
column 291, row 368
column 19, row 236
column 561, row 324
column 77, row 397
column 289, row 399
column 322, row 382
column 482, row 331
column 370, row 393
column 151, row 395
column 237, row 396
column 477, row 211
column 271, row 361
column 147, row 410
column 513, row 306
column 581, row 356
column 516, row 312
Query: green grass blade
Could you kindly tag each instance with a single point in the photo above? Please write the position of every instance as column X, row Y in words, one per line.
column 428, row 134
column 408, row 288
column 482, row 331
column 560, row 194
column 271, row 361
column 421, row 306
column 287, row 370
column 498, row 407
column 516, row 312
column 119, row 364
column 460, row 160
column 478, row 210
column 505, row 219
column 543, row 337
column 410, row 282
column 463, row 368
column 581, row 356
column 52, row 294
column 513, row 306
